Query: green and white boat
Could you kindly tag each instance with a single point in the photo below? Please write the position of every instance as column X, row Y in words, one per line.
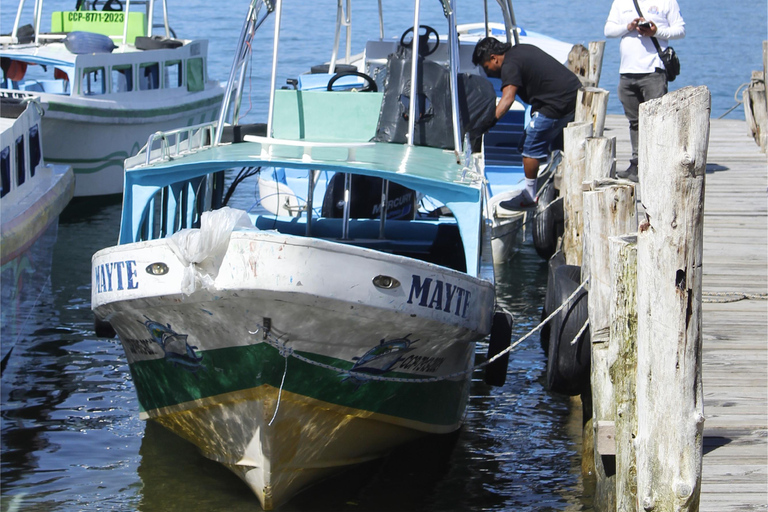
column 106, row 83
column 340, row 319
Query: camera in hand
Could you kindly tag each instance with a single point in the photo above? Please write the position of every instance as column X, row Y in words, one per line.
column 644, row 24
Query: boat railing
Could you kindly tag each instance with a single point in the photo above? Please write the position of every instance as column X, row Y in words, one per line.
column 303, row 149
column 164, row 146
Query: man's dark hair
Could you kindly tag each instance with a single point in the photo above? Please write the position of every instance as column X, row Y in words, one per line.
column 487, row 47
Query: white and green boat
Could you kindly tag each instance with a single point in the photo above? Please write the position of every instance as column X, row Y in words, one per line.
column 338, row 319
column 106, row 83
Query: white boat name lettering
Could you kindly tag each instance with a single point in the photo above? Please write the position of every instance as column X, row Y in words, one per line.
column 116, row 276
column 441, row 297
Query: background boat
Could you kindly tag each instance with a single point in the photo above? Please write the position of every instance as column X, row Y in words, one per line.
column 33, row 195
column 106, row 83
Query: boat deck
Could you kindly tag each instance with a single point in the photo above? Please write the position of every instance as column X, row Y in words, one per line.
column 735, row 350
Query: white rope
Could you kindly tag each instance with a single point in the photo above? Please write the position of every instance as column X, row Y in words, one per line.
column 581, row 331
column 288, row 352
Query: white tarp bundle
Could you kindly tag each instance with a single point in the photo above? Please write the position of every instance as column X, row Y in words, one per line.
column 202, row 250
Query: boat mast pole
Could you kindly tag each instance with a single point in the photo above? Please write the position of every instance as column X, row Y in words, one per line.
column 381, row 22
column 485, row 12
column 507, row 21
column 15, row 32
column 125, row 26
column 150, row 17
column 165, row 19
column 453, row 37
column 348, row 23
column 242, row 52
column 273, row 81
column 514, row 22
column 414, row 76
column 37, row 17
column 336, row 38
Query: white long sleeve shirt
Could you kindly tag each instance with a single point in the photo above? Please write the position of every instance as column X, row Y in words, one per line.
column 638, row 54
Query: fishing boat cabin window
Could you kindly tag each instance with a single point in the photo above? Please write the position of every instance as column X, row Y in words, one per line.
column 93, row 82
column 149, row 76
column 122, row 78
column 195, row 75
column 21, row 174
column 5, row 170
column 35, row 153
column 173, row 75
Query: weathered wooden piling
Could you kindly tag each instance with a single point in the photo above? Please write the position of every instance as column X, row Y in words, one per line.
column 609, row 210
column 756, row 104
column 623, row 371
column 574, row 160
column 587, row 63
column 591, row 107
column 672, row 165
column 600, row 154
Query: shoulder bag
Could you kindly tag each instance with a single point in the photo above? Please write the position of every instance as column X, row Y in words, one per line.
column 668, row 56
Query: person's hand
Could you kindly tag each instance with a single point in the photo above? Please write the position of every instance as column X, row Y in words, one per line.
column 633, row 24
column 647, row 30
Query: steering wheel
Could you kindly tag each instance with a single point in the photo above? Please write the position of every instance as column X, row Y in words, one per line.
column 370, row 85
column 424, row 48
column 109, row 7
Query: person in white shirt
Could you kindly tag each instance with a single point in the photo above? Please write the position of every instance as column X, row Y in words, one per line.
column 642, row 71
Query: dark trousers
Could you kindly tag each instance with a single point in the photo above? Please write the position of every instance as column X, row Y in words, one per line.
column 635, row 89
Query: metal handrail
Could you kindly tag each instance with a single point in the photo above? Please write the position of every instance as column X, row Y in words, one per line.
column 172, row 145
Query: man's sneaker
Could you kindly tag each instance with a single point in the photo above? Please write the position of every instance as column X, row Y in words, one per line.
column 631, row 172
column 523, row 201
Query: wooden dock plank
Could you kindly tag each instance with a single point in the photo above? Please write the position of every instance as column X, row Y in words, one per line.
column 735, row 334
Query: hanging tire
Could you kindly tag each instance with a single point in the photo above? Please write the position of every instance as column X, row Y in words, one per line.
column 103, row 329
column 568, row 364
column 551, row 303
column 545, row 221
column 501, row 336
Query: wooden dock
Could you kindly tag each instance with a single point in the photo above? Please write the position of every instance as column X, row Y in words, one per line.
column 735, row 332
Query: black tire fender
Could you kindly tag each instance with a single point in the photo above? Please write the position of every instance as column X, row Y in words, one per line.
column 103, row 329
column 501, row 337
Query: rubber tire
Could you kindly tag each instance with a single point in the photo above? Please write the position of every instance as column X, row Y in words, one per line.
column 103, row 329
column 501, row 337
column 545, row 232
column 568, row 365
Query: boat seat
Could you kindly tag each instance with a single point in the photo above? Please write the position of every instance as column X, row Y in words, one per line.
column 326, row 117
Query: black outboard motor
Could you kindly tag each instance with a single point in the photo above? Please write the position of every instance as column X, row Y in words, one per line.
column 365, row 199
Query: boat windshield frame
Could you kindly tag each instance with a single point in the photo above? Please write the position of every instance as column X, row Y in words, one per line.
column 255, row 18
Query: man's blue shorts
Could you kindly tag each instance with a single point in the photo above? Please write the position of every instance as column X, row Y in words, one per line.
column 541, row 133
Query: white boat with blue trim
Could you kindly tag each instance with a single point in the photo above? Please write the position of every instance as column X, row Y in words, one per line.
column 106, row 83
column 32, row 195
column 338, row 317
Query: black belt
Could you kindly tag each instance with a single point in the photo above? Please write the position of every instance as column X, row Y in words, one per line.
column 642, row 75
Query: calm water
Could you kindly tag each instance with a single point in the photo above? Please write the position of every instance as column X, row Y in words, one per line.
column 71, row 438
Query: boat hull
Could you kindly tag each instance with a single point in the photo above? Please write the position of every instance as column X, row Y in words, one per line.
column 269, row 370
column 29, row 229
column 95, row 140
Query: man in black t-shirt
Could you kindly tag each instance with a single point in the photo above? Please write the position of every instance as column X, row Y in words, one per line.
column 542, row 82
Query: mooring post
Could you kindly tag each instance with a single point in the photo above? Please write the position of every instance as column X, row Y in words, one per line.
column 574, row 156
column 600, row 154
column 674, row 135
column 596, row 52
column 591, row 107
column 623, row 334
column 609, row 210
column 756, row 104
